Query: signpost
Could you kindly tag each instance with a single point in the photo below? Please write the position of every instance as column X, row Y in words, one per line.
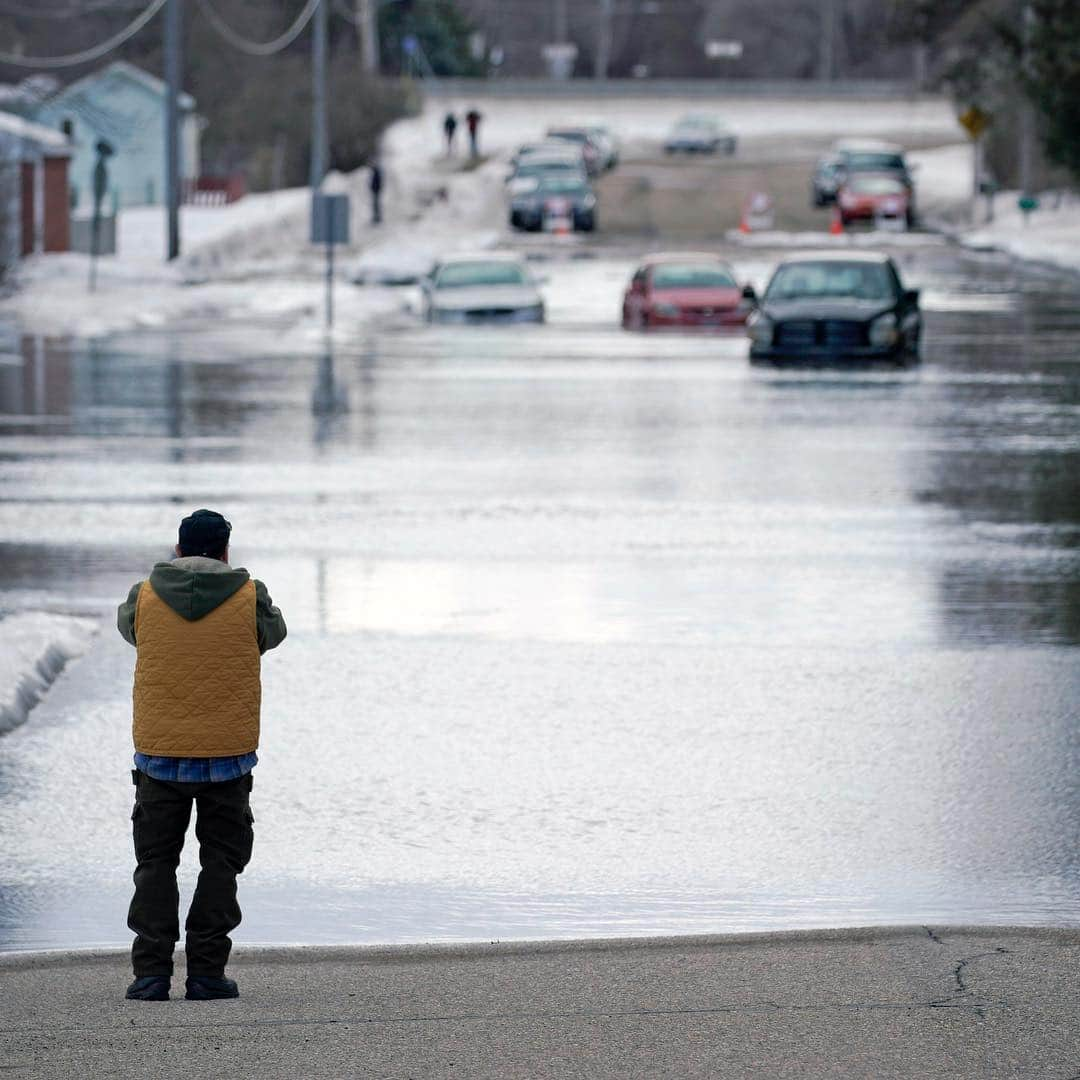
column 975, row 122
column 101, row 186
column 329, row 226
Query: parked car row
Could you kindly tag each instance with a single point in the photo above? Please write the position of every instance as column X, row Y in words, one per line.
column 817, row 307
column 550, row 183
column 866, row 180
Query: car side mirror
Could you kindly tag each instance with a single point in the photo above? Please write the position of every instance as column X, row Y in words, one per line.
column 749, row 294
column 911, row 296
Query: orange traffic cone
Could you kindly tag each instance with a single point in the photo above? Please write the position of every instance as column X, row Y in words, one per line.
column 744, row 225
column 836, row 225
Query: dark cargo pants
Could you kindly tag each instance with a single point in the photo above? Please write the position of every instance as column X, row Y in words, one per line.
column 223, row 826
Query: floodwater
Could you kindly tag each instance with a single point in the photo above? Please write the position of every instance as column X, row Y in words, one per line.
column 590, row 633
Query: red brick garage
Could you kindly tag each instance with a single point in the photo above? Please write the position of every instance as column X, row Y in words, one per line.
column 56, row 223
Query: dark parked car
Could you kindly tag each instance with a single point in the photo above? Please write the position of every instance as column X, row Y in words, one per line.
column 556, row 202
column 591, row 151
column 686, row 290
column 837, row 306
column 828, row 172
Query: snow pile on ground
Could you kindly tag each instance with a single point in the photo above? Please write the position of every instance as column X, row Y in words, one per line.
column 944, row 177
column 34, row 647
column 507, row 122
column 1050, row 234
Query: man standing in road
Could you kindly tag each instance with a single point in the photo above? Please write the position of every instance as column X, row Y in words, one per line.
column 449, row 126
column 472, row 122
column 199, row 628
column 375, row 184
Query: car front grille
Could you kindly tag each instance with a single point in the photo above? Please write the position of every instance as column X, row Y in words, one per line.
column 820, row 334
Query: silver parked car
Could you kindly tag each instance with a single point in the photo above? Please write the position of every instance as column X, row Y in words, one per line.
column 482, row 289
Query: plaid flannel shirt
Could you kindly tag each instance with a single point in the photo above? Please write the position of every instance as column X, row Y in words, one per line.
column 212, row 770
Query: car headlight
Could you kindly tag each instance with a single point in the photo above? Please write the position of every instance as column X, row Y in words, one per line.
column 883, row 330
column 668, row 311
column 760, row 329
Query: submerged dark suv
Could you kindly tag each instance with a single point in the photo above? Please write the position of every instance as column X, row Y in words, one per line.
column 836, row 306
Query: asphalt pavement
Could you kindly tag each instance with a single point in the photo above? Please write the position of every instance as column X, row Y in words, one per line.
column 886, row 1002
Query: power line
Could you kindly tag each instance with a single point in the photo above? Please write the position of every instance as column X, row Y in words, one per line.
column 71, row 11
column 71, row 59
column 256, row 48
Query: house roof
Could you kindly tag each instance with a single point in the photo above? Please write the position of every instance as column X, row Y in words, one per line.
column 129, row 71
column 44, row 139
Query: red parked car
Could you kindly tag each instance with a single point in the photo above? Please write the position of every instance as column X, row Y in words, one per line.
column 686, row 290
column 876, row 197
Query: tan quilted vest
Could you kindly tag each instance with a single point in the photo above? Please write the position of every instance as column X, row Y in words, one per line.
column 197, row 688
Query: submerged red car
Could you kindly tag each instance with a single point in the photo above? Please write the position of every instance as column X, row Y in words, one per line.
column 879, row 197
column 686, row 290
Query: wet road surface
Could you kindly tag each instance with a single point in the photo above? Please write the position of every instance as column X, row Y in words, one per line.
column 590, row 633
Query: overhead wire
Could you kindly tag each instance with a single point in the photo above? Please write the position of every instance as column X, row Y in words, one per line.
column 94, row 53
column 257, row 48
column 72, row 11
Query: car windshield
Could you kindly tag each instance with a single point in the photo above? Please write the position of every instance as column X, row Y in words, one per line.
column 463, row 275
column 692, row 276
column 696, row 123
column 813, row 280
column 562, row 185
column 876, row 185
column 541, row 168
column 568, row 136
column 865, row 161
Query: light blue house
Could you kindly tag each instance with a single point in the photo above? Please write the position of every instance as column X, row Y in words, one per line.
column 125, row 106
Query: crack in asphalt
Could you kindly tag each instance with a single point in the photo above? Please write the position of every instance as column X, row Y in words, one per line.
column 933, row 937
column 962, row 989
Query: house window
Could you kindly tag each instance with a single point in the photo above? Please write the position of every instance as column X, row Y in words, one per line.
column 67, row 126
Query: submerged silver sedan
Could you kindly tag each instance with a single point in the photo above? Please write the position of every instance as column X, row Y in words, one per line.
column 482, row 288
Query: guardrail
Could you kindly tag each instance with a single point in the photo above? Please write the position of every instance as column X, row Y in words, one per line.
column 803, row 89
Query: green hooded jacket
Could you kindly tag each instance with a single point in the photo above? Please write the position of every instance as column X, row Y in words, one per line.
column 194, row 586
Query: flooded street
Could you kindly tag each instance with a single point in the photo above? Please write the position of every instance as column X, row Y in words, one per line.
column 591, row 633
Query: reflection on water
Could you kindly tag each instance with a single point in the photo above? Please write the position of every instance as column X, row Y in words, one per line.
column 608, row 632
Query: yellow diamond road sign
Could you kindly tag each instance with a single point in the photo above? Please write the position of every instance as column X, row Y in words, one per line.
column 974, row 121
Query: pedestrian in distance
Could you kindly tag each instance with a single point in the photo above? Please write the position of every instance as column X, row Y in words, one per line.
column 375, row 186
column 472, row 122
column 449, row 125
column 199, row 628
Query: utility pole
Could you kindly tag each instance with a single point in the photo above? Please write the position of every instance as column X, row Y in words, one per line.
column 174, row 27
column 603, row 39
column 827, row 46
column 318, row 97
column 367, row 26
column 560, row 21
column 1027, row 113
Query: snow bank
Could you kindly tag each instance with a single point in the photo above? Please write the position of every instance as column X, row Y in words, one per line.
column 1050, row 234
column 34, row 647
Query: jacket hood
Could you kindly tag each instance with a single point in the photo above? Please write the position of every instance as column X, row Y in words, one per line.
column 194, row 586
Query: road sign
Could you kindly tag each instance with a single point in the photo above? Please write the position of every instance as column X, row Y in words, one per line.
column 329, row 219
column 974, row 121
column 329, row 226
column 728, row 50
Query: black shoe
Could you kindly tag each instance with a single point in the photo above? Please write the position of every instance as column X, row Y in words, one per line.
column 208, row 988
column 149, row 988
